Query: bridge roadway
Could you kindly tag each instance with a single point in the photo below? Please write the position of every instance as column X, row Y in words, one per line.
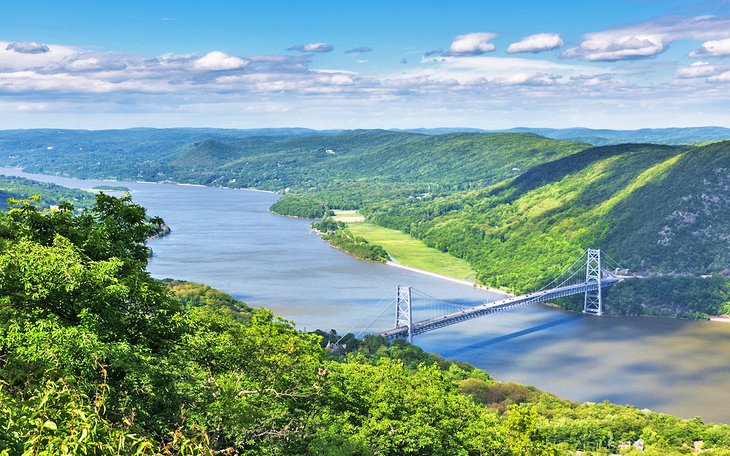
column 423, row 326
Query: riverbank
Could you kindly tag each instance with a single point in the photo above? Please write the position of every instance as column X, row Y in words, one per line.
column 412, row 254
column 407, row 250
column 468, row 283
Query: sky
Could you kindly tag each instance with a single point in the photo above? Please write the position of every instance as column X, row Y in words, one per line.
column 621, row 64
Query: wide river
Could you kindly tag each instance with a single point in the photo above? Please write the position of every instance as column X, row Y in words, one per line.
column 229, row 239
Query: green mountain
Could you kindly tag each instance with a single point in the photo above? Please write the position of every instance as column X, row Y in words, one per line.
column 50, row 194
column 350, row 168
column 602, row 137
column 655, row 209
column 517, row 206
column 99, row 358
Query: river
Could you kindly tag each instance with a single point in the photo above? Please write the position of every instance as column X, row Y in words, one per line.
column 228, row 239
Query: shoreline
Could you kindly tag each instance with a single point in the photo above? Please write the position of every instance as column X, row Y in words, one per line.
column 721, row 318
column 167, row 182
column 450, row 279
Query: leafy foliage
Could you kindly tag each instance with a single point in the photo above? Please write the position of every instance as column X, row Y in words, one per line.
column 520, row 233
column 19, row 188
column 669, row 296
column 340, row 237
column 304, row 206
column 201, row 295
column 98, row 358
column 356, row 246
column 328, row 225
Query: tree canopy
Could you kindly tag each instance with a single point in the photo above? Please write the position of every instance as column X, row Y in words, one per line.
column 97, row 357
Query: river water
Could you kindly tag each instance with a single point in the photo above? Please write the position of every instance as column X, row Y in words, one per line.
column 228, row 239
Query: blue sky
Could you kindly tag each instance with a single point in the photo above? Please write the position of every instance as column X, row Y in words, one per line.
column 326, row 64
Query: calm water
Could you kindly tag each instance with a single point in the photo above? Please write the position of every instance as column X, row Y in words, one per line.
column 229, row 239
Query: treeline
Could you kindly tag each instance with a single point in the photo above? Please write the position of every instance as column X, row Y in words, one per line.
column 19, row 188
column 364, row 163
column 658, row 210
column 671, row 296
column 337, row 234
column 96, row 357
column 304, row 206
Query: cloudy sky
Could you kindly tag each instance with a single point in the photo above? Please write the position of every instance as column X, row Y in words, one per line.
column 377, row 64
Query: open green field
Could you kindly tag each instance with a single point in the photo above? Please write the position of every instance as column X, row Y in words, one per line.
column 407, row 250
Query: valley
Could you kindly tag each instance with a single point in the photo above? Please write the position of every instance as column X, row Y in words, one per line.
column 512, row 206
column 278, row 263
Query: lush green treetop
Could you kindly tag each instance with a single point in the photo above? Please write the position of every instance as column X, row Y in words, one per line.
column 96, row 357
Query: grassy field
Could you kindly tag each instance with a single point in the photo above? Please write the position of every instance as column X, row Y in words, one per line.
column 406, row 250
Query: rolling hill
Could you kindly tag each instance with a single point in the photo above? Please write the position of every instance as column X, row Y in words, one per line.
column 517, row 206
column 602, row 137
column 366, row 164
column 50, row 194
column 658, row 210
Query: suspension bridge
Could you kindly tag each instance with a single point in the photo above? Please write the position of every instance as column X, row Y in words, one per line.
column 587, row 276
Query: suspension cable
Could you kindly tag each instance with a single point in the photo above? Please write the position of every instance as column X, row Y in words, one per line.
column 615, row 263
column 363, row 317
column 371, row 323
column 563, row 273
column 441, row 301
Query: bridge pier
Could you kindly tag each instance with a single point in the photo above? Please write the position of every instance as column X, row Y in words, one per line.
column 403, row 311
column 593, row 301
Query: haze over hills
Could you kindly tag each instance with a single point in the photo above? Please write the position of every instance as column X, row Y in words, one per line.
column 402, row 162
column 603, row 137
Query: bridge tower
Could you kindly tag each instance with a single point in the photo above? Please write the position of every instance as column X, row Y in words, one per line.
column 403, row 313
column 593, row 303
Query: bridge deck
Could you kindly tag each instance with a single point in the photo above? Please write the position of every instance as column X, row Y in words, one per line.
column 423, row 326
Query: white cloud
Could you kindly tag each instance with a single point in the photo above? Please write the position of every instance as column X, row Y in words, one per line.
column 472, row 44
column 536, row 43
column 10, row 58
column 696, row 70
column 647, row 39
column 722, row 77
column 498, row 69
column 713, row 48
column 611, row 48
column 529, row 79
column 217, row 60
column 27, row 47
column 71, row 79
column 312, row 47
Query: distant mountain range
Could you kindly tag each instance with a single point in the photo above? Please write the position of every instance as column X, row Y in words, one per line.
column 603, row 137
column 595, row 137
column 515, row 204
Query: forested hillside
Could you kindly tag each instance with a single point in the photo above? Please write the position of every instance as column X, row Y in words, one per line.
column 603, row 137
column 519, row 207
column 48, row 194
column 349, row 168
column 96, row 357
column 655, row 209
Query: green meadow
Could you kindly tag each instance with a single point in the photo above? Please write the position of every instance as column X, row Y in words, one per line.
column 405, row 249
